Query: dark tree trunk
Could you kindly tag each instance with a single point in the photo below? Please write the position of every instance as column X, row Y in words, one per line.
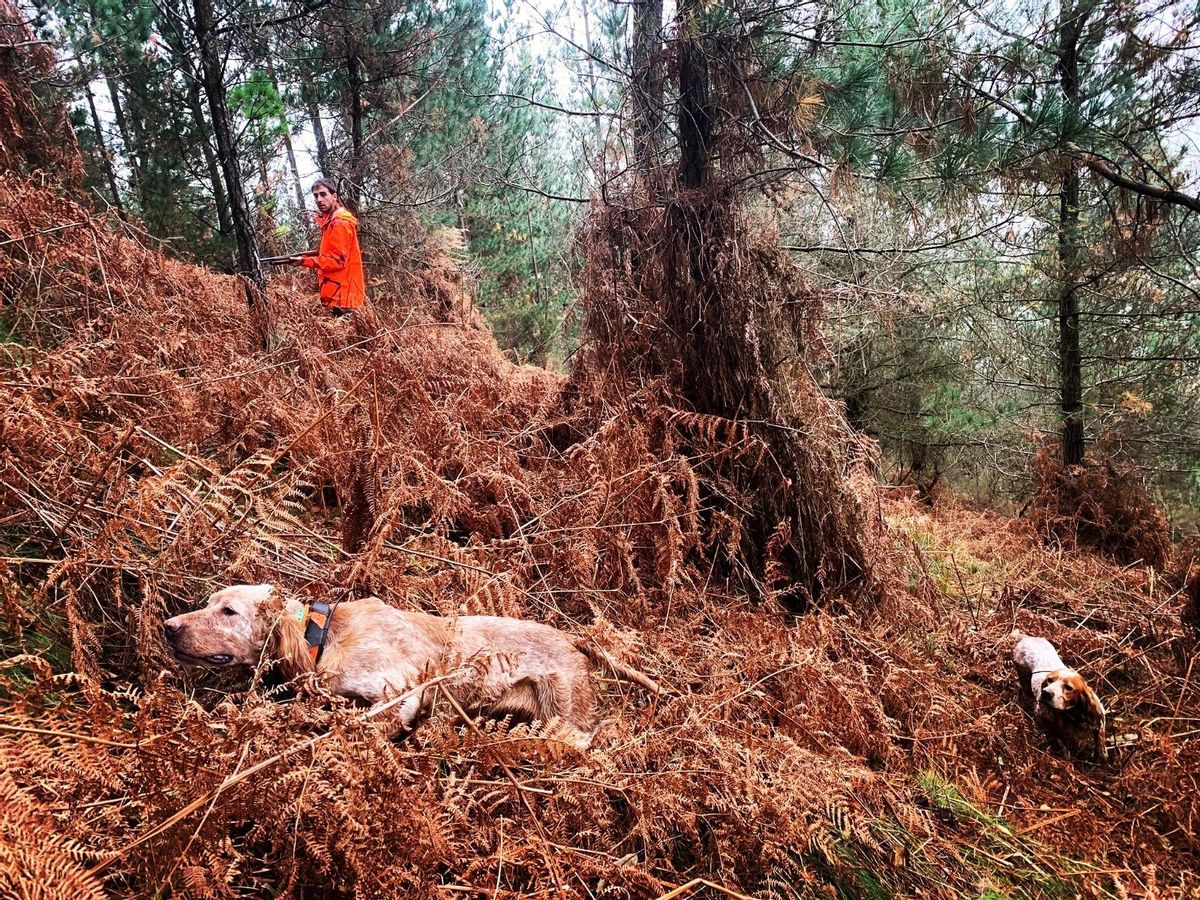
column 139, row 150
column 295, row 170
column 214, row 87
column 727, row 350
column 1070, row 359
column 648, row 78
column 102, row 150
column 220, row 198
column 314, row 114
column 135, row 172
column 183, row 60
column 356, row 130
column 695, row 125
column 800, row 522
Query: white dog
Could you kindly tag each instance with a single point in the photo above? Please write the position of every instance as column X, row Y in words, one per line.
column 1063, row 702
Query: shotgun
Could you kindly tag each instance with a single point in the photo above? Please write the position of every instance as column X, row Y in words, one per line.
column 283, row 260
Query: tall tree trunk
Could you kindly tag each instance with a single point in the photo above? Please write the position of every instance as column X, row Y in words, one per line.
column 287, row 144
column 591, row 62
column 695, row 126
column 314, row 114
column 135, row 172
column 182, row 58
column 723, row 351
column 295, row 170
column 648, row 78
column 139, row 150
column 220, row 198
column 102, row 150
column 1070, row 359
column 214, row 87
column 354, row 64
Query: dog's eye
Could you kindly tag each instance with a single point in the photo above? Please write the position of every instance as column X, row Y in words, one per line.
column 228, row 611
column 1068, row 688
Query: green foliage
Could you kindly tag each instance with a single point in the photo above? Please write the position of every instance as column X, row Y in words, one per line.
column 1022, row 858
column 128, row 51
column 501, row 151
column 259, row 102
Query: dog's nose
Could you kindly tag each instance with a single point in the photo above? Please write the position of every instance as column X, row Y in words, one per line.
column 171, row 629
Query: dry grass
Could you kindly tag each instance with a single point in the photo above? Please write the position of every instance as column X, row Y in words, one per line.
column 1102, row 505
column 152, row 452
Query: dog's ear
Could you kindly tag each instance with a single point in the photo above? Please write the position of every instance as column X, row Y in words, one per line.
column 287, row 645
column 1096, row 708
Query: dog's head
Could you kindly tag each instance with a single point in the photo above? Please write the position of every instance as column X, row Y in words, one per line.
column 1065, row 691
column 234, row 628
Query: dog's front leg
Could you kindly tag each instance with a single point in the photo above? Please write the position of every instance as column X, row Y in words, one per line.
column 397, row 709
column 408, row 711
column 1101, row 741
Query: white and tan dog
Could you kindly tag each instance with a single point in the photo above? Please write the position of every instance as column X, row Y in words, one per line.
column 1064, row 704
column 375, row 652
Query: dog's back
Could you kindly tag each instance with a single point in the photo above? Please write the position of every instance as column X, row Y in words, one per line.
column 527, row 669
column 1035, row 657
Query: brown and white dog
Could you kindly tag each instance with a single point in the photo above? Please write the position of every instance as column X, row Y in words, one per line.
column 375, row 652
column 1064, row 704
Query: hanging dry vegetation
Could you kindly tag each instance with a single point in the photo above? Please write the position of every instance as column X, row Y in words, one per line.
column 1102, row 505
column 696, row 308
column 33, row 134
column 151, row 451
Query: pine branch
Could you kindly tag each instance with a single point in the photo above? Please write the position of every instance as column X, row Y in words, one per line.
column 1090, row 158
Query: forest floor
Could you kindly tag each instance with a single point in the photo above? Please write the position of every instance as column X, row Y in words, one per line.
column 157, row 442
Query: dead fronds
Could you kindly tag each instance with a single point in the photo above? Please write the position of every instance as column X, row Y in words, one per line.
column 150, row 450
column 1101, row 505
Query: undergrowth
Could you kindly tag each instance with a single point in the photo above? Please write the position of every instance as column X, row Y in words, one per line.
column 151, row 451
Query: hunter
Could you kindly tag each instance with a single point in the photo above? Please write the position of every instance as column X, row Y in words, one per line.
column 339, row 261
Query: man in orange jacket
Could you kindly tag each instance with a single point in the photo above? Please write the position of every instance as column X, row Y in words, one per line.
column 339, row 261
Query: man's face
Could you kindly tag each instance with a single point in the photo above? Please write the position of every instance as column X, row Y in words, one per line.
column 327, row 201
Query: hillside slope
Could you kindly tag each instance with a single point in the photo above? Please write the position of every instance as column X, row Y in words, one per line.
column 151, row 450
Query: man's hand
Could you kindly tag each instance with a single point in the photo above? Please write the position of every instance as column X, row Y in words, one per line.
column 295, row 260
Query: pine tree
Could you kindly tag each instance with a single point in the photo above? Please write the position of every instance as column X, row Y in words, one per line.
column 1087, row 98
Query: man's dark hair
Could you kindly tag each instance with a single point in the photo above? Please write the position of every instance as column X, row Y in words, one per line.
column 325, row 183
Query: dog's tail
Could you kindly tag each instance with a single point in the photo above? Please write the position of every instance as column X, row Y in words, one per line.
column 602, row 657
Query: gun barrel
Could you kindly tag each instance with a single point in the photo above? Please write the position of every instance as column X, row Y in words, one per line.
column 280, row 260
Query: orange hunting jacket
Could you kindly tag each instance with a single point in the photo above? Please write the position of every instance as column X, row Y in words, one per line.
column 339, row 261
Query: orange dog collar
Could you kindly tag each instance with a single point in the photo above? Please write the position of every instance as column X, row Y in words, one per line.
column 317, row 617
